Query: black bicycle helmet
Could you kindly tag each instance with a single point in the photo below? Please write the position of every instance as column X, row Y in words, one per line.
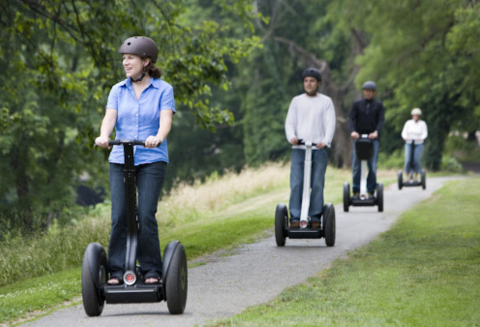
column 369, row 86
column 312, row 72
column 141, row 46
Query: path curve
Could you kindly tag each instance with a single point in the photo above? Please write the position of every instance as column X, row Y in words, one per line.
column 254, row 273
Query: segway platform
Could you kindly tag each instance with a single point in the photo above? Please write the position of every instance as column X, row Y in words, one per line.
column 139, row 293
column 174, row 284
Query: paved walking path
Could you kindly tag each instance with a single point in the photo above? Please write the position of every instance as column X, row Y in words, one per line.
column 254, row 273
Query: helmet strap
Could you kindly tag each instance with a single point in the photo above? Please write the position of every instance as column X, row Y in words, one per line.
column 139, row 79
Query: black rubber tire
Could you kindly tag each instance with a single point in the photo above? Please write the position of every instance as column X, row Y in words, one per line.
column 329, row 224
column 281, row 223
column 380, row 197
column 400, row 179
column 424, row 179
column 93, row 301
column 176, row 283
column 346, row 196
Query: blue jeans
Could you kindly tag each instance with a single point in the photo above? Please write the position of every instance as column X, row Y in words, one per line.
column 372, row 170
column 417, row 156
column 319, row 167
column 149, row 178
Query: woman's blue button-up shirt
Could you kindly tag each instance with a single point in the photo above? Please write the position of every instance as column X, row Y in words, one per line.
column 139, row 119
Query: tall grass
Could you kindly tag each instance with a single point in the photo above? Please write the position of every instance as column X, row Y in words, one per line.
column 188, row 203
column 187, row 207
column 62, row 248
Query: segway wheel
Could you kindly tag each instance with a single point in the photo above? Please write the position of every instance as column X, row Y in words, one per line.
column 346, row 196
column 281, row 219
column 329, row 224
column 380, row 197
column 94, row 276
column 176, row 283
column 400, row 179
column 424, row 179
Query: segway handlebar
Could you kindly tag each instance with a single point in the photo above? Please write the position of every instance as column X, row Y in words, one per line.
column 122, row 142
column 302, row 142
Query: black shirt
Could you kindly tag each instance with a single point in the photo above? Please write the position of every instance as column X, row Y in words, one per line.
column 366, row 116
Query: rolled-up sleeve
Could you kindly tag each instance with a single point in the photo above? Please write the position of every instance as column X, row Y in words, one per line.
column 112, row 102
column 167, row 102
column 330, row 122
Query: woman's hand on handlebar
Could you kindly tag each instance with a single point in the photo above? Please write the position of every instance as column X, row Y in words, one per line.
column 321, row 145
column 294, row 141
column 102, row 141
column 355, row 135
column 153, row 141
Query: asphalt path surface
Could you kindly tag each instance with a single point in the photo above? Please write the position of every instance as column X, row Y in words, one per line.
column 254, row 273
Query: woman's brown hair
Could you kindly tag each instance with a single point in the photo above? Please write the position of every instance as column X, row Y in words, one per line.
column 152, row 69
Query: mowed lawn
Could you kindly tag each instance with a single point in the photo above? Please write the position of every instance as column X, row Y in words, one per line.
column 423, row 272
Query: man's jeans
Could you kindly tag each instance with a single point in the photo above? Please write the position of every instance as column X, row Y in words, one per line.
column 417, row 156
column 372, row 170
column 319, row 166
column 149, row 178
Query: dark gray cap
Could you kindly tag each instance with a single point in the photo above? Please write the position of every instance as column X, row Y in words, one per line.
column 369, row 86
column 141, row 46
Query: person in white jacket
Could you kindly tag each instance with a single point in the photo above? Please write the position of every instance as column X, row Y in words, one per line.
column 414, row 133
column 311, row 118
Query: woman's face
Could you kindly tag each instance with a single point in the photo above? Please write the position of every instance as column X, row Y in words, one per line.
column 133, row 65
column 416, row 117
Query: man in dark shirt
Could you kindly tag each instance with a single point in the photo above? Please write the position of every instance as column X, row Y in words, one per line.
column 366, row 117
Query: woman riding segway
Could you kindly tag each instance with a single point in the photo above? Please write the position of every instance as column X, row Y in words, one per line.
column 140, row 107
column 414, row 133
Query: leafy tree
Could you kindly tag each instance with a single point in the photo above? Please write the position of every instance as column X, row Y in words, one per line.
column 298, row 35
column 421, row 55
column 60, row 60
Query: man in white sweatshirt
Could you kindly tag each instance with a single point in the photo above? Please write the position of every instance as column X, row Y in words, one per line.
column 311, row 118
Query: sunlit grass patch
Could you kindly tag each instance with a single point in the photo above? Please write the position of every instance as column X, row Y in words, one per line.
column 423, row 272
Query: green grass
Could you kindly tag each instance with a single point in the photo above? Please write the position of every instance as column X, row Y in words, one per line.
column 43, row 293
column 45, row 272
column 423, row 272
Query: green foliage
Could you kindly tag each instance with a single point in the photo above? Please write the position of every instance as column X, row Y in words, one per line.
column 395, row 160
column 60, row 61
column 421, row 55
column 297, row 36
column 451, row 164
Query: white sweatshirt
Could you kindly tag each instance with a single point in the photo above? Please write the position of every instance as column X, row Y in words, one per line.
column 416, row 131
column 311, row 119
